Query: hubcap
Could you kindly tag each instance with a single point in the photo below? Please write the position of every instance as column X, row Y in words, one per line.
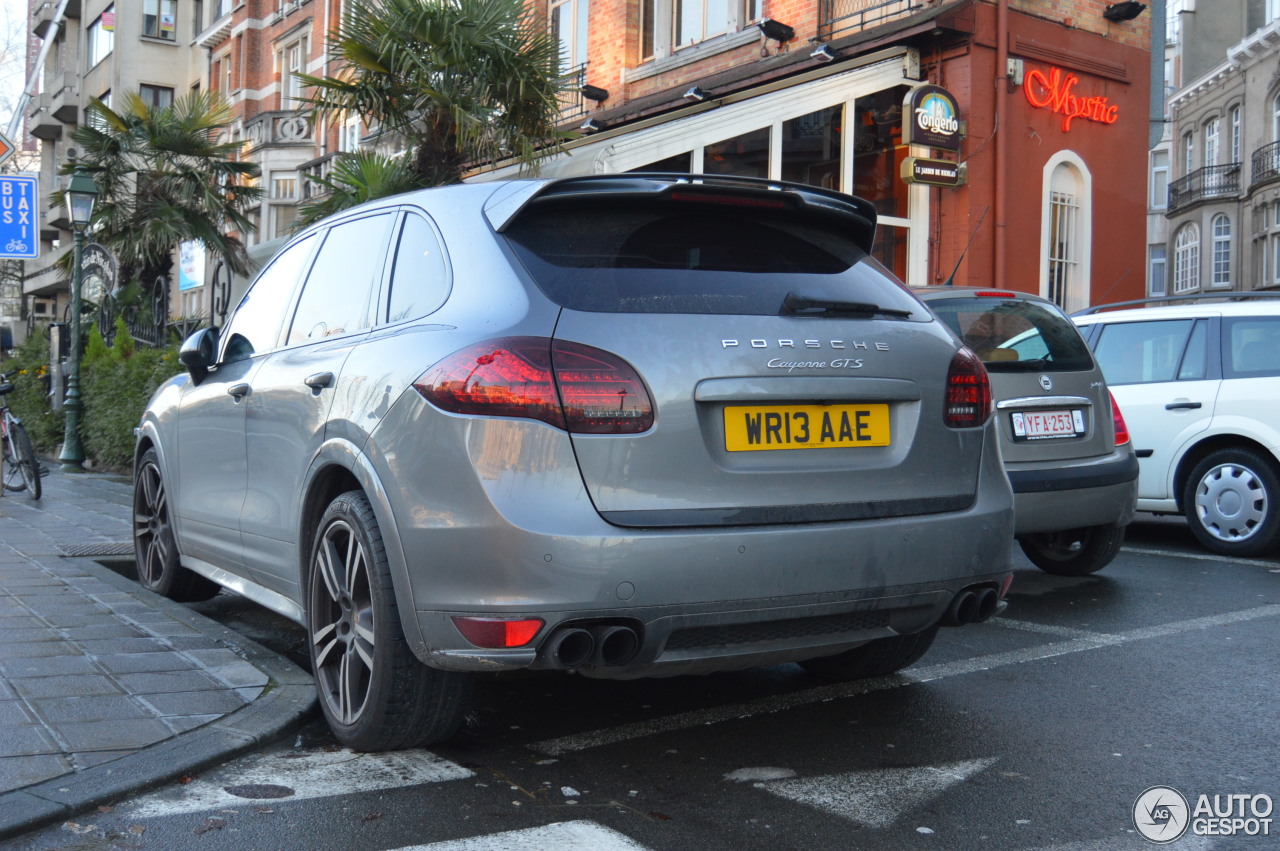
column 342, row 622
column 1231, row 502
column 150, row 525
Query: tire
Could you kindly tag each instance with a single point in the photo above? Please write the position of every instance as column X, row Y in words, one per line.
column 1232, row 501
column 154, row 546
column 25, row 462
column 1075, row 552
column 375, row 694
column 876, row 658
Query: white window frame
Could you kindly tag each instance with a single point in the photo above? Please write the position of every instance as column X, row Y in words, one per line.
column 101, row 42
column 1186, row 259
column 1234, row 119
column 573, row 47
column 1212, row 135
column 1221, row 272
column 291, row 60
column 1158, row 271
column 1159, row 180
column 1077, row 262
column 739, row 14
column 1188, row 152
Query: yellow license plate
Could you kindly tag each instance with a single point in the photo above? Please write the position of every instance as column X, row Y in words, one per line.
column 754, row 428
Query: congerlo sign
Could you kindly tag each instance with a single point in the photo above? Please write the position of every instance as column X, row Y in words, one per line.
column 931, row 117
column 1054, row 91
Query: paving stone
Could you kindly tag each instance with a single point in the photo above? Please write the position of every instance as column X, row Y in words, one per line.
column 136, row 663
column 196, row 703
column 163, row 682
column 26, row 740
column 40, row 688
column 19, row 771
column 99, row 708
column 125, row 733
column 47, row 666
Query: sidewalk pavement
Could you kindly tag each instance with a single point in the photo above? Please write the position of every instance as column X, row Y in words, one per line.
column 105, row 688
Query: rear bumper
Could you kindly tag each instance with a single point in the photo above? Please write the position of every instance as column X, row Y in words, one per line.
column 1065, row 497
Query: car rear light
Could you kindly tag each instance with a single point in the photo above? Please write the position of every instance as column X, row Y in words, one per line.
column 497, row 632
column 995, row 294
column 1122, row 430
column 581, row 389
column 729, row 200
column 968, row 391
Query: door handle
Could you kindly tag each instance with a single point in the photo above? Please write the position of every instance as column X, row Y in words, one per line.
column 239, row 391
column 319, row 381
column 1182, row 406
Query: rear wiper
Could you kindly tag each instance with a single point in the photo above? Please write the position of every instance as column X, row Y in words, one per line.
column 796, row 304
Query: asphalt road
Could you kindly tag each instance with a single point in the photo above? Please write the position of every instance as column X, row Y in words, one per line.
column 1039, row 730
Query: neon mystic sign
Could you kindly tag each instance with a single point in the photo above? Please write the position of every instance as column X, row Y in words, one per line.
column 1053, row 91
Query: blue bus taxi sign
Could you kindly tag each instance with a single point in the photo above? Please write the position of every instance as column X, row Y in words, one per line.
column 19, row 234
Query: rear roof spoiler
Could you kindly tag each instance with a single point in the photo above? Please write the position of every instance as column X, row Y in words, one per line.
column 503, row 208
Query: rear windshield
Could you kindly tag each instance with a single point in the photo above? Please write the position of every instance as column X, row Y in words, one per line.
column 1010, row 335
column 709, row 259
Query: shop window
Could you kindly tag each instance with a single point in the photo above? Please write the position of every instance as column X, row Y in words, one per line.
column 1064, row 210
column 878, row 151
column 679, row 164
column 669, row 25
column 1066, row 231
column 102, row 36
column 811, row 148
column 1186, row 259
column 1221, row 251
column 890, row 248
column 156, row 97
column 743, row 156
column 1156, row 277
column 159, row 19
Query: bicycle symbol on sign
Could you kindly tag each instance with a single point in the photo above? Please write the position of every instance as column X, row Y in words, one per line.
column 16, row 245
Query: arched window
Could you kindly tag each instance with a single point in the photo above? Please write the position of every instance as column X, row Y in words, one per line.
column 1221, row 251
column 1186, row 259
column 1066, row 232
column 1212, row 132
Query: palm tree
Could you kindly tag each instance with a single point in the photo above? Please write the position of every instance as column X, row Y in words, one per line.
column 459, row 81
column 164, row 177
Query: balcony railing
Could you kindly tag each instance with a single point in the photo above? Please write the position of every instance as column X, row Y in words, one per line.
column 318, row 169
column 572, row 104
column 1266, row 163
column 1213, row 181
column 282, row 127
column 842, row 17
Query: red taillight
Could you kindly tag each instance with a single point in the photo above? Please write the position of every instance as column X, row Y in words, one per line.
column 578, row 388
column 1122, row 430
column 995, row 294
column 968, row 391
column 497, row 632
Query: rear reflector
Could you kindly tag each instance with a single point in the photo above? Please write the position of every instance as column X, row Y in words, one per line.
column 1122, row 430
column 497, row 632
column 581, row 389
column 968, row 391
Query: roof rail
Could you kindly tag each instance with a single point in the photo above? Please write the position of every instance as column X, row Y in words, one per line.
column 1186, row 297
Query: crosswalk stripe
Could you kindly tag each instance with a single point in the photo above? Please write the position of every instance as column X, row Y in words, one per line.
column 294, row 776
column 562, row 836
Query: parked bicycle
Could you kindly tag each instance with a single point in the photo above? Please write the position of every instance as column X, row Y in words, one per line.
column 21, row 469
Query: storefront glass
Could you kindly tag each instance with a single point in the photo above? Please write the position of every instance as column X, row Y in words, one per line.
column 811, row 148
column 878, row 151
column 744, row 156
column 890, row 248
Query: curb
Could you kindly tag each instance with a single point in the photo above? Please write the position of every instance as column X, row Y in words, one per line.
column 287, row 701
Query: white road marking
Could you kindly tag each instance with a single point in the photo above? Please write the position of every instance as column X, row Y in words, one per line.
column 912, row 676
column 309, row 775
column 1243, row 562
column 563, row 836
column 875, row 798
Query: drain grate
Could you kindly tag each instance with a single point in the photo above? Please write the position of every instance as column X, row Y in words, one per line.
column 103, row 548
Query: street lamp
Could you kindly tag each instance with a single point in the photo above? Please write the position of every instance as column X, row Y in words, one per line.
column 80, row 195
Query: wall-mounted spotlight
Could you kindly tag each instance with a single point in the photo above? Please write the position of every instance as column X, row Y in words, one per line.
column 824, row 53
column 591, row 126
column 776, row 30
column 696, row 94
column 1125, row 11
column 595, row 93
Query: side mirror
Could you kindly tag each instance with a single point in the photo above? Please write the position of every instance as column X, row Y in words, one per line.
column 198, row 351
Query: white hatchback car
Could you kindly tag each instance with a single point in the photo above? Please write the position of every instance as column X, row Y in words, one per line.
column 1199, row 384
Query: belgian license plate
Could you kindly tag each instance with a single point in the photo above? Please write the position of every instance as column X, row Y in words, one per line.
column 750, row 428
column 1038, row 425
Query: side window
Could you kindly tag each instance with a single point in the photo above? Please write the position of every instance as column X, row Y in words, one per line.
column 1194, row 363
column 1142, row 352
column 420, row 279
column 335, row 300
column 1253, row 347
column 255, row 327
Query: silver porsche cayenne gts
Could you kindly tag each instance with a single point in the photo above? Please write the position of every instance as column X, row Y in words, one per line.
column 628, row 425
